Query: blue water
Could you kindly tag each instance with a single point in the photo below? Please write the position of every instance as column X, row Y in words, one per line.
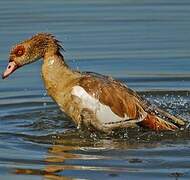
column 143, row 43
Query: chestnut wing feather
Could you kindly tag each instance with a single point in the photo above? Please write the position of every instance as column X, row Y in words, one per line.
column 123, row 100
column 113, row 94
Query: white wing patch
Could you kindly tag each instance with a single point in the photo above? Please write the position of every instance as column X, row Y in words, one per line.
column 103, row 112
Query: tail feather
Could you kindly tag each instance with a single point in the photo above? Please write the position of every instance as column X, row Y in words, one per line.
column 156, row 123
column 158, row 119
column 175, row 120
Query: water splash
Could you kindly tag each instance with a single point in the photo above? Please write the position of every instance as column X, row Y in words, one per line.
column 44, row 99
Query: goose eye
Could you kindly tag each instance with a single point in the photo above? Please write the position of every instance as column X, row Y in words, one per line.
column 19, row 51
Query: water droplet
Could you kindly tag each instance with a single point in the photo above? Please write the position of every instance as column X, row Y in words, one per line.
column 45, row 104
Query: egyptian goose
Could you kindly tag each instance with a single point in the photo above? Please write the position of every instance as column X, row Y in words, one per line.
column 98, row 102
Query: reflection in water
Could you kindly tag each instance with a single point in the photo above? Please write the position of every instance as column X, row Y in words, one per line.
column 58, row 154
column 73, row 151
column 54, row 161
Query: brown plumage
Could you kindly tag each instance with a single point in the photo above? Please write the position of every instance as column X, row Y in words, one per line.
column 123, row 100
column 77, row 93
column 112, row 94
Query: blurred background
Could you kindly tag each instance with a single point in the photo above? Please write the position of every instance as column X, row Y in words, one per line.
column 140, row 39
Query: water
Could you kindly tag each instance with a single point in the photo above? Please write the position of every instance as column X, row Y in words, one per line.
column 142, row 43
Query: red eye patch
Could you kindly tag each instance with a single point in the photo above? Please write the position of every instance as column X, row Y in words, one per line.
column 19, row 51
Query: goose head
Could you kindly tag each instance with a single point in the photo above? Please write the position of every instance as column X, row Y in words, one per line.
column 30, row 50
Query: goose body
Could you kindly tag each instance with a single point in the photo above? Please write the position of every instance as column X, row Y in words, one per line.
column 95, row 101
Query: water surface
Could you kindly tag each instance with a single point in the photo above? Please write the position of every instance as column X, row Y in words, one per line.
column 143, row 43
